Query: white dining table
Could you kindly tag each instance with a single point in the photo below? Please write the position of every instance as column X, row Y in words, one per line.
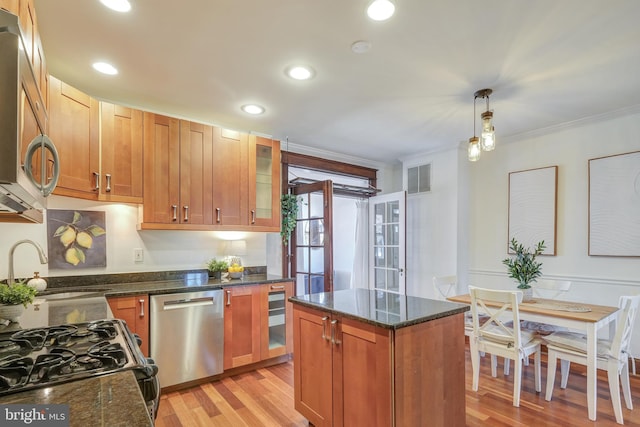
column 572, row 315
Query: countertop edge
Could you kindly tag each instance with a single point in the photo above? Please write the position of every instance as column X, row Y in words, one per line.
column 398, row 325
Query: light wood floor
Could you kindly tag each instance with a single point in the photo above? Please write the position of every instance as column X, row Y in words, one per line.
column 265, row 398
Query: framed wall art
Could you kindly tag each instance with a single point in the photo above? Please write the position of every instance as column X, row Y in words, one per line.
column 533, row 196
column 614, row 205
column 76, row 239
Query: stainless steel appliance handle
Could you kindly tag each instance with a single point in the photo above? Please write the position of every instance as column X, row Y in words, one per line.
column 277, row 288
column 186, row 212
column 324, row 324
column 334, row 333
column 97, row 175
column 186, row 303
column 228, row 298
column 217, row 214
column 141, row 301
column 108, row 178
column 174, row 209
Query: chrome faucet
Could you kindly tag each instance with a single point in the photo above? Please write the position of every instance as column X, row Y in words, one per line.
column 43, row 257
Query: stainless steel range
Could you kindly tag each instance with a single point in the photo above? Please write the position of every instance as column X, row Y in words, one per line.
column 42, row 357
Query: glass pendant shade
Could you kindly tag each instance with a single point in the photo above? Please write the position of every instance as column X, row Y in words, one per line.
column 474, row 149
column 488, row 135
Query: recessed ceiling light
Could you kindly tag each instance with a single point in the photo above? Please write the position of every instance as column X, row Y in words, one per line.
column 300, row 72
column 105, row 68
column 252, row 109
column 380, row 10
column 361, row 46
column 117, row 5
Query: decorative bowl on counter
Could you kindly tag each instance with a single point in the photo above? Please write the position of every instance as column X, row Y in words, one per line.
column 235, row 274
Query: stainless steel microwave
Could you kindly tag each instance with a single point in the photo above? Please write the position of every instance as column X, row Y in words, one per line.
column 29, row 163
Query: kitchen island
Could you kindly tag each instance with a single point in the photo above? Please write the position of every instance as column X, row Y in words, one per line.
column 378, row 359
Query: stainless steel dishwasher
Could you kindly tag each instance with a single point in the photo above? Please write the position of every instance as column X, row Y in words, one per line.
column 187, row 335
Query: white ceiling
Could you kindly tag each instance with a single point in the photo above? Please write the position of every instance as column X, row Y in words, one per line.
column 548, row 62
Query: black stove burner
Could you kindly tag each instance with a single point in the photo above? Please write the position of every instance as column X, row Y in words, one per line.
column 14, row 371
column 45, row 356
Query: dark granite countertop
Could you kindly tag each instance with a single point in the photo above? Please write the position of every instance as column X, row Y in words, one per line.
column 118, row 284
column 387, row 310
column 106, row 400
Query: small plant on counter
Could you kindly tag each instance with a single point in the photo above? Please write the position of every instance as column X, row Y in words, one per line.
column 18, row 293
column 289, row 209
column 217, row 267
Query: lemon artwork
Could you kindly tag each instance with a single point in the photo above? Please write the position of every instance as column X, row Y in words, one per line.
column 77, row 240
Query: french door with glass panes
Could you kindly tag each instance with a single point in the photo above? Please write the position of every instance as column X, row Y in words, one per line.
column 387, row 242
column 312, row 254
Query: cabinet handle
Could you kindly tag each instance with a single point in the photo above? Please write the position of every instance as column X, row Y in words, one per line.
column 97, row 176
column 228, row 298
column 174, row 208
column 334, row 333
column 217, row 214
column 108, row 178
column 324, row 324
column 277, row 288
column 253, row 216
column 141, row 307
column 186, row 213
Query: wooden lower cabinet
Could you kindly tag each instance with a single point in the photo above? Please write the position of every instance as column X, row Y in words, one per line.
column 133, row 309
column 352, row 373
column 257, row 323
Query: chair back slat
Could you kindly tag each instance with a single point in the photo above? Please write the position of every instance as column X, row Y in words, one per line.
column 494, row 329
column 624, row 329
column 446, row 285
column 552, row 289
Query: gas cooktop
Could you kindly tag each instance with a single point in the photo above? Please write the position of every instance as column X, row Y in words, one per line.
column 41, row 357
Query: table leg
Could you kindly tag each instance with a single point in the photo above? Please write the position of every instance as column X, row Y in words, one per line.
column 592, row 370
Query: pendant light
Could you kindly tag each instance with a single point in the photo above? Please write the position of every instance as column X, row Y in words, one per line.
column 487, row 140
column 473, row 152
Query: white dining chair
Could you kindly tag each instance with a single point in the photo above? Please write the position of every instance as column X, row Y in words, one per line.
column 612, row 355
column 497, row 339
column 548, row 289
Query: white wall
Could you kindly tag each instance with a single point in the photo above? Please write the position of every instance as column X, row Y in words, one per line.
column 432, row 231
column 163, row 250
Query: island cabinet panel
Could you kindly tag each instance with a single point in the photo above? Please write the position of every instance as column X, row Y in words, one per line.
column 74, row 129
column 241, row 325
column 351, row 373
column 121, row 154
column 342, row 370
column 134, row 310
column 430, row 372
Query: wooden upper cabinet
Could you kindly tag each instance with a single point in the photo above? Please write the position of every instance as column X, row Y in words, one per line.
column 73, row 128
column 12, row 6
column 121, row 154
column 230, row 199
column 196, row 181
column 264, row 183
column 177, row 173
column 161, row 169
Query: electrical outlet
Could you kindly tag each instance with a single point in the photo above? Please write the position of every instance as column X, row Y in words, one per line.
column 138, row 255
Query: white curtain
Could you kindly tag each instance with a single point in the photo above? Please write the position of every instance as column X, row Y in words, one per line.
column 360, row 276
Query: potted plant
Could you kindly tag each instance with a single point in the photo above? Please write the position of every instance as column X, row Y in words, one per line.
column 523, row 267
column 289, row 209
column 216, row 267
column 14, row 299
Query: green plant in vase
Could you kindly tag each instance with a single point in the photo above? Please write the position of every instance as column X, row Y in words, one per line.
column 14, row 299
column 523, row 267
column 217, row 267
